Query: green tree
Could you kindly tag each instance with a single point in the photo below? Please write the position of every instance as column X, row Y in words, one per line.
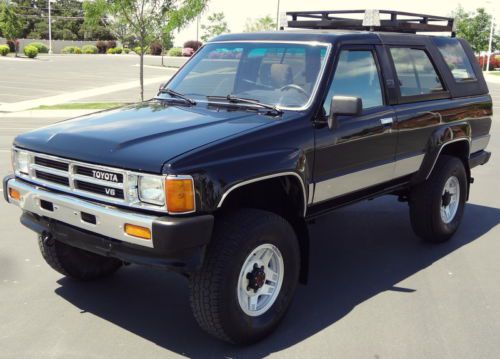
column 216, row 25
column 10, row 22
column 265, row 23
column 167, row 42
column 147, row 19
column 475, row 28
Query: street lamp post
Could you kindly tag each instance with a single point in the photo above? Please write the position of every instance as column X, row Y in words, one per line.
column 278, row 16
column 50, row 30
column 492, row 25
column 489, row 44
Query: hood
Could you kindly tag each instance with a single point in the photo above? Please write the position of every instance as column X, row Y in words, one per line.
column 141, row 137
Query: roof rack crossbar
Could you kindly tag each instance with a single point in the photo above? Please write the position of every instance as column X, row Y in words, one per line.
column 397, row 21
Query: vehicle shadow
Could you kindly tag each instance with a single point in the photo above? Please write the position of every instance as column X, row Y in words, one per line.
column 356, row 253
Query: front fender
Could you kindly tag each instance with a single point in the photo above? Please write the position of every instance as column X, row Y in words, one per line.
column 219, row 179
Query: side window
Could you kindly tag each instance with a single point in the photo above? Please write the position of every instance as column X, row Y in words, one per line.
column 415, row 72
column 356, row 75
column 456, row 59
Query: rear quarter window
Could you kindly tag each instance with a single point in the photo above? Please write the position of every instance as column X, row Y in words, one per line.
column 415, row 71
column 455, row 57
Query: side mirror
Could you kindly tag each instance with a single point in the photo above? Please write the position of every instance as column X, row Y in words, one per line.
column 162, row 85
column 344, row 106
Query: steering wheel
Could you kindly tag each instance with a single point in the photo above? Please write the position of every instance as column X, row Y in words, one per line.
column 294, row 87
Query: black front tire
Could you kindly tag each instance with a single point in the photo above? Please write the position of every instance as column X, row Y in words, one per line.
column 214, row 288
column 76, row 263
column 426, row 200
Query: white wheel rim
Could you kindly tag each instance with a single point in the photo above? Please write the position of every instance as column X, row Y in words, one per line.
column 260, row 280
column 450, row 199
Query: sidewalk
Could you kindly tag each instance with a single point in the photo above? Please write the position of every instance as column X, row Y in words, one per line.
column 491, row 78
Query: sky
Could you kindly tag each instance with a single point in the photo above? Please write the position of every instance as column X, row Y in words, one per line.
column 238, row 11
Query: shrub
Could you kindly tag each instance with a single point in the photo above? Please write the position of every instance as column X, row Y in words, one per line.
column 31, row 51
column 4, row 50
column 12, row 45
column 494, row 62
column 90, row 49
column 187, row 51
column 156, row 48
column 137, row 50
column 42, row 48
column 110, row 44
column 114, row 50
column 175, row 51
column 101, row 47
column 126, row 51
column 71, row 50
column 195, row 45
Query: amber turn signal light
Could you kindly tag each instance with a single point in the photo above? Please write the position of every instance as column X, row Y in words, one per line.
column 137, row 231
column 14, row 194
column 180, row 195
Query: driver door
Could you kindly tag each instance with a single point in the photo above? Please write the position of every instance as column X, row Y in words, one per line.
column 359, row 152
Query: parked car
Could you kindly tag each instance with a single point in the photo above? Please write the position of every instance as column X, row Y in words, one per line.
column 219, row 177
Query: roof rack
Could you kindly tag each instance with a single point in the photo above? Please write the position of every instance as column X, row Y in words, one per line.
column 373, row 20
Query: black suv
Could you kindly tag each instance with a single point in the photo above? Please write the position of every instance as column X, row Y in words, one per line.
column 218, row 177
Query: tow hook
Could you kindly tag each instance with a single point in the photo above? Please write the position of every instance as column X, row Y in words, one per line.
column 47, row 239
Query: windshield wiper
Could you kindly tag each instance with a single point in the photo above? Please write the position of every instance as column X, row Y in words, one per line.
column 177, row 94
column 235, row 99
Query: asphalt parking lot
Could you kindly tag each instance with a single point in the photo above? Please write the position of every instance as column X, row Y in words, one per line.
column 58, row 74
column 375, row 290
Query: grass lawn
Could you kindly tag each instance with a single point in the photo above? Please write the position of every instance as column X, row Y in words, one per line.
column 82, row 106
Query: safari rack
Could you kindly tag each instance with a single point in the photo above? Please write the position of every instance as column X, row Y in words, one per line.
column 374, row 20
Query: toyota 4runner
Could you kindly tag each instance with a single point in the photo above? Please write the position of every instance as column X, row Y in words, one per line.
column 219, row 175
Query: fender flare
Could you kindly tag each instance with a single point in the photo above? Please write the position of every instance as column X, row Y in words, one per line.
column 263, row 178
column 439, row 139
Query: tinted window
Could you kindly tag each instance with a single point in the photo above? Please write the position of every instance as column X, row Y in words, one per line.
column 455, row 57
column 415, row 72
column 356, row 75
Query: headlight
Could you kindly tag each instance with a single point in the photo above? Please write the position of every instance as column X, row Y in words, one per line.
column 151, row 190
column 20, row 161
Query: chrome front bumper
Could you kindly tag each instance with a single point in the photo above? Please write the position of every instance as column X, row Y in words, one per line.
column 109, row 221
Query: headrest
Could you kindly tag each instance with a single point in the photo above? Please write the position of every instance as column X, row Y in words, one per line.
column 281, row 75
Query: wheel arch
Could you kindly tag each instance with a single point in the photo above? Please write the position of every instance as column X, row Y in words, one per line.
column 451, row 140
column 282, row 193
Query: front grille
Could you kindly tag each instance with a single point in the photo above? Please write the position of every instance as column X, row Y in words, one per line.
column 102, row 190
column 95, row 182
column 62, row 166
column 79, row 177
column 52, row 178
column 99, row 174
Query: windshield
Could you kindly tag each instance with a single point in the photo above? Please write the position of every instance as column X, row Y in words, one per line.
column 281, row 74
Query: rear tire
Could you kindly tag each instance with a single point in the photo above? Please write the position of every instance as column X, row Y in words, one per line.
column 437, row 205
column 249, row 276
column 75, row 262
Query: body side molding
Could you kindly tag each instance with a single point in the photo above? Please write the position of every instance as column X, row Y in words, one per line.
column 263, row 178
